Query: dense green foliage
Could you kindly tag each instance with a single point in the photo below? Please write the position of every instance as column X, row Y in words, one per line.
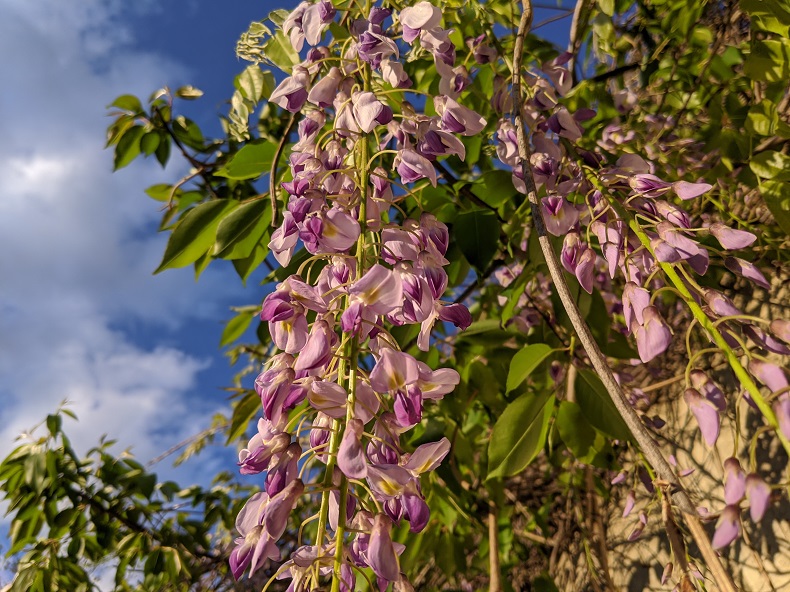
column 699, row 89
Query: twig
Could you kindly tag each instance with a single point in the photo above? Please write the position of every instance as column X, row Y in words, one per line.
column 199, row 166
column 494, row 583
column 273, row 172
column 641, row 434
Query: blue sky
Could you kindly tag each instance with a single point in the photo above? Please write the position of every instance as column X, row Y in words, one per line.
column 81, row 315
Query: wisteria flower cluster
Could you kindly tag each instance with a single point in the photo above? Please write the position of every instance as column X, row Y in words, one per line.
column 627, row 209
column 339, row 396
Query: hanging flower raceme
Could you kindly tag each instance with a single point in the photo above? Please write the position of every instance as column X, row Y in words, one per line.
column 329, row 427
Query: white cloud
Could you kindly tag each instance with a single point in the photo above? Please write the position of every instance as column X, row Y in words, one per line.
column 78, row 244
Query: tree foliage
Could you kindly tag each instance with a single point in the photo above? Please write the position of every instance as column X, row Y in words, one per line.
column 669, row 117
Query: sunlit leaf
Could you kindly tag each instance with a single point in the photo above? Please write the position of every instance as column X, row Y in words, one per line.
column 195, row 233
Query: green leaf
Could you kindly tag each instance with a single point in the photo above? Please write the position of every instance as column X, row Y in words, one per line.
column 777, row 197
column 160, row 191
column 762, row 119
column 253, row 84
column 519, row 434
column 582, row 439
column 495, row 188
column 128, row 147
column 769, row 60
column 249, row 220
column 280, row 52
column 771, row 164
column 194, row 234
column 163, row 150
column 236, row 327
column 54, row 423
column 525, row 362
column 127, row 103
column 606, row 6
column 189, row 93
column 769, row 15
column 243, row 412
column 253, row 160
column 149, row 142
column 477, row 235
column 597, row 406
column 244, row 267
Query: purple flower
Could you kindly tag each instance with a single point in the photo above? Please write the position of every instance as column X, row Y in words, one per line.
column 369, row 111
column 720, row 304
column 635, row 300
column 746, row 270
column 696, row 256
column 394, row 371
column 381, row 552
column 324, row 91
column 782, row 410
column 705, row 413
column 378, row 292
column 284, row 469
column 558, row 214
column 564, row 125
column 292, row 26
column 781, row 328
column 648, row 185
column 393, row 73
column 457, row 118
column 730, row 238
column 769, row 374
column 375, row 47
column 291, row 93
column 412, row 167
column 759, row 494
column 728, row 527
column 318, row 349
column 267, row 442
column 734, row 481
column 315, row 19
column 653, row 335
column 685, row 190
column 707, row 387
column 427, row 457
column 422, row 15
column 350, row 456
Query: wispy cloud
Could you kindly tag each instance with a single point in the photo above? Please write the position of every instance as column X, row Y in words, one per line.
column 78, row 244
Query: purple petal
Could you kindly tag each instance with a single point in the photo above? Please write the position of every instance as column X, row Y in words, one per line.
column 351, row 456
column 685, row 190
column 770, row 375
column 428, row 456
column 746, row 270
column 730, row 238
column 393, row 371
column 653, row 336
column 759, row 494
column 630, row 501
column 734, row 481
column 381, row 552
column 728, row 528
column 705, row 413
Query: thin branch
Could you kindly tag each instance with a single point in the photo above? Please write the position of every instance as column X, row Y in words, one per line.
column 273, row 172
column 199, row 166
column 494, row 583
column 641, row 434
